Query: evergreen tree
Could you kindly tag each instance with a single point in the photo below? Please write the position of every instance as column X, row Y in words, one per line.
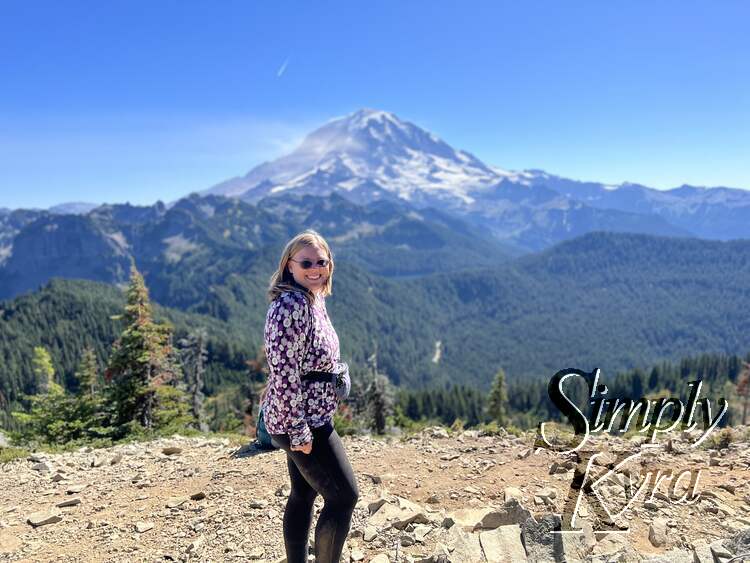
column 87, row 373
column 413, row 410
column 142, row 361
column 57, row 417
column 194, row 355
column 497, row 407
column 43, row 370
column 379, row 395
column 45, row 418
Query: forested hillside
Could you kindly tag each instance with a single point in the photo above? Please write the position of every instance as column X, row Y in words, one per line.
column 612, row 301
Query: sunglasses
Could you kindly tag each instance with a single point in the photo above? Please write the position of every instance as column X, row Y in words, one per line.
column 307, row 264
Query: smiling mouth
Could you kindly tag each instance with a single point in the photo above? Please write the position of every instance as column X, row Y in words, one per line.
column 313, row 279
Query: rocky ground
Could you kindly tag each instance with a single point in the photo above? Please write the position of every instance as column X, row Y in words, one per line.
column 434, row 496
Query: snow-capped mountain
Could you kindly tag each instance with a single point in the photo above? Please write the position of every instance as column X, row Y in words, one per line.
column 375, row 148
column 371, row 155
column 713, row 213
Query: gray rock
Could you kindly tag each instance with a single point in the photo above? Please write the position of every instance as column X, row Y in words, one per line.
column 614, row 547
column 399, row 516
column 547, row 494
column 75, row 489
column 375, row 505
column 465, row 546
column 510, row 513
column 513, row 493
column 406, row 540
column 174, row 502
column 672, row 556
column 702, row 553
column 503, row 544
column 720, row 552
column 657, row 532
column 576, row 547
column 739, row 543
column 43, row 518
column 541, row 544
column 142, row 527
column 371, row 532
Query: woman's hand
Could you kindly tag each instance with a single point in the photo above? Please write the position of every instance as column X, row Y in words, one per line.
column 304, row 448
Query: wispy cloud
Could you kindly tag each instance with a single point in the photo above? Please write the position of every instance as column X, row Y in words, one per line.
column 282, row 68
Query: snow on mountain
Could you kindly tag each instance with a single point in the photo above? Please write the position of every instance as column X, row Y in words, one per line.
column 372, row 155
column 364, row 148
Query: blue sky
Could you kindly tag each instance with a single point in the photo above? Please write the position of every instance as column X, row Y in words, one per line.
column 137, row 101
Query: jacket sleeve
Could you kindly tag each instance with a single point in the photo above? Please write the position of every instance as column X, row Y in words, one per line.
column 287, row 338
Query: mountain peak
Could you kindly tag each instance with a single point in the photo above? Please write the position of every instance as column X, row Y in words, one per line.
column 362, row 117
column 365, row 130
column 371, row 150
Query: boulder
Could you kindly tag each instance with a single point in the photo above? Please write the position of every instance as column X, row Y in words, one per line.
column 398, row 515
column 464, row 546
column 657, row 532
column 503, row 544
column 541, row 544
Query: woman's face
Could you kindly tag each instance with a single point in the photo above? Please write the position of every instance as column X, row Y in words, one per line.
column 315, row 277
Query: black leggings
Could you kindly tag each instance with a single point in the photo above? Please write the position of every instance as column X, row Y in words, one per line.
column 325, row 470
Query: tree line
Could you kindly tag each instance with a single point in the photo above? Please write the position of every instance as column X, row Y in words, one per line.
column 149, row 385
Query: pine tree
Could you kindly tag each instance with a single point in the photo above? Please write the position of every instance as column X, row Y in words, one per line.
column 413, row 410
column 142, row 362
column 43, row 370
column 194, row 356
column 497, row 406
column 88, row 415
column 57, row 417
column 379, row 396
column 87, row 373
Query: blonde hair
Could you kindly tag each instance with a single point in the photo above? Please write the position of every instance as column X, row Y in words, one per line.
column 282, row 279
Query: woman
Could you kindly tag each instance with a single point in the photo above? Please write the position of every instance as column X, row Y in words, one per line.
column 299, row 338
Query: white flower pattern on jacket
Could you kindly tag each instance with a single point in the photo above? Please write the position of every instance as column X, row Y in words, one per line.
column 298, row 338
